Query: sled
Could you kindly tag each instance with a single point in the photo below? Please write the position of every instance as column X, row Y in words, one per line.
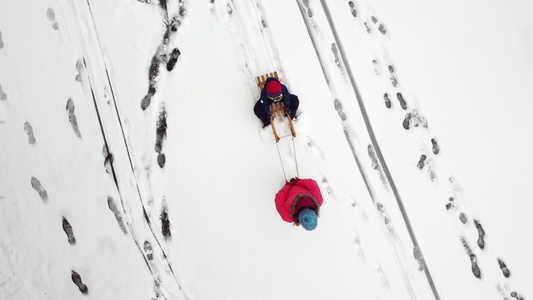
column 277, row 109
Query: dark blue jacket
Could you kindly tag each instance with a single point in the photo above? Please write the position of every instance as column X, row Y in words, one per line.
column 265, row 101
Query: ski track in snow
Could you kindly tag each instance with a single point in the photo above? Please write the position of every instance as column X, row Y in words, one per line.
column 93, row 73
column 365, row 16
column 319, row 42
column 414, row 120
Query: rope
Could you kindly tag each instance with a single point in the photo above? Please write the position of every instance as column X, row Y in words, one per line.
column 295, row 160
column 281, row 161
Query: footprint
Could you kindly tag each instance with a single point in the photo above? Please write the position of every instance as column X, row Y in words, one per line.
column 148, row 250
column 403, row 104
column 72, row 117
column 475, row 267
column 52, row 18
column 76, row 278
column 422, row 161
column 79, row 67
column 51, row 14
column 367, row 27
column 393, row 79
column 407, row 121
column 463, row 218
column 68, row 230
column 37, row 186
column 435, row 146
column 473, row 259
column 515, row 295
column 161, row 133
column 503, row 267
column 352, row 9
column 450, row 203
column 29, row 131
column 335, row 51
column 382, row 29
column 161, row 130
column 113, row 207
column 161, row 160
column 173, row 59
column 165, row 223
column 377, row 67
column 418, row 256
column 108, row 160
column 481, row 235
column 3, row 95
column 338, row 107
column 375, row 164
column 373, row 157
column 388, row 103
column 153, row 74
column 1, row 42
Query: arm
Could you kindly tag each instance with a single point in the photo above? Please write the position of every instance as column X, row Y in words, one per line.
column 281, row 203
column 264, row 102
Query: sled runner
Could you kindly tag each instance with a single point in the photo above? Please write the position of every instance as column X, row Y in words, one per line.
column 277, row 109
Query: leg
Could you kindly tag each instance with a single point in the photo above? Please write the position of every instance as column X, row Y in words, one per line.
column 261, row 114
column 295, row 102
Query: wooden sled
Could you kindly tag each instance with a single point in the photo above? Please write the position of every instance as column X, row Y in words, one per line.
column 277, row 109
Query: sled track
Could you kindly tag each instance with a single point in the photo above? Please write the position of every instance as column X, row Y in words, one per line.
column 370, row 132
column 328, row 81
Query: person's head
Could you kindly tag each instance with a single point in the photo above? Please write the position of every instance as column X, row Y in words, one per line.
column 308, row 219
column 298, row 218
column 273, row 90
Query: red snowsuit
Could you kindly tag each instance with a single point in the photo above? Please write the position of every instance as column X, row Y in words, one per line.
column 291, row 190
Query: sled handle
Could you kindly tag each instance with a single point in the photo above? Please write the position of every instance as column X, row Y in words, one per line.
column 292, row 127
column 274, row 130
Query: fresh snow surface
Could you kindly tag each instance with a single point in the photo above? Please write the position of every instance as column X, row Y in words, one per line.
column 126, row 176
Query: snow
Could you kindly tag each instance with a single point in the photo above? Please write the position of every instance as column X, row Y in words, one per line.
column 464, row 68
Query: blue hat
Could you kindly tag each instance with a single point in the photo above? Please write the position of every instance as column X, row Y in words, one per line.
column 308, row 219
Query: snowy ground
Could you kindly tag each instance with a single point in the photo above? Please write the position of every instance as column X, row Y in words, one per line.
column 134, row 168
